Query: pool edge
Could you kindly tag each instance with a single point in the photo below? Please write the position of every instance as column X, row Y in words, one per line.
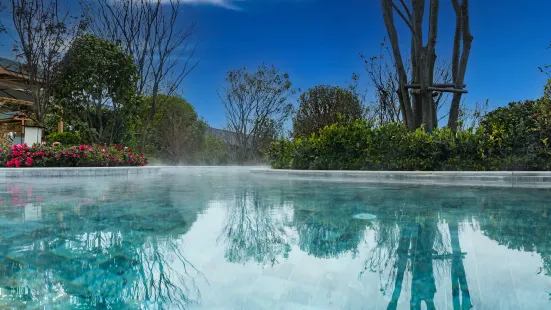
column 517, row 179
column 10, row 173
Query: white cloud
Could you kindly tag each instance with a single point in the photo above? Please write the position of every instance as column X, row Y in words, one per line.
column 229, row 4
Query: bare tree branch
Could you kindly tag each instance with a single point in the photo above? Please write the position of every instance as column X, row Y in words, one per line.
column 256, row 107
column 163, row 50
column 44, row 32
column 406, row 19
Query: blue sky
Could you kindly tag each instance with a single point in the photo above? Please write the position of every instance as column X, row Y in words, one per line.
column 319, row 42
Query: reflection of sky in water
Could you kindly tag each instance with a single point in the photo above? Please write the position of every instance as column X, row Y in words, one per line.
column 227, row 239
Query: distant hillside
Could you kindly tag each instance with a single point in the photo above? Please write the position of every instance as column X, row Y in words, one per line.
column 225, row 135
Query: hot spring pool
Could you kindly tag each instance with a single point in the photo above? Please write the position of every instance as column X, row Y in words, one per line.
column 227, row 239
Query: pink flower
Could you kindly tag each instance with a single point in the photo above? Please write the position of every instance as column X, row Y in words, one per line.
column 29, row 161
column 14, row 163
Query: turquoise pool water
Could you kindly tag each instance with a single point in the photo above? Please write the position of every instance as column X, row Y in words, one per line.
column 226, row 239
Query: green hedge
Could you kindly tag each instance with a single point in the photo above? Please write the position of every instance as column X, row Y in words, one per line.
column 510, row 138
column 65, row 138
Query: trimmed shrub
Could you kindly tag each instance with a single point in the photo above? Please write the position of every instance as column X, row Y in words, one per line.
column 515, row 137
column 65, row 138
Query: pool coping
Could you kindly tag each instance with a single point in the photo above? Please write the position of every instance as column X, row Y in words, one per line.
column 8, row 173
column 511, row 179
column 518, row 179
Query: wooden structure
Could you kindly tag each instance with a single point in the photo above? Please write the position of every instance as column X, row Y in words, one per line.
column 16, row 103
column 441, row 88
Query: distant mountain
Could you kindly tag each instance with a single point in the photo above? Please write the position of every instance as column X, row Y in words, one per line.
column 225, row 135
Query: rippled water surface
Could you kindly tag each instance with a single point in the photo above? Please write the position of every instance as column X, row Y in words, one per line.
column 226, row 239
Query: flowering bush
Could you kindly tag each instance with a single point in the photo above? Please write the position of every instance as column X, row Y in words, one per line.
column 57, row 155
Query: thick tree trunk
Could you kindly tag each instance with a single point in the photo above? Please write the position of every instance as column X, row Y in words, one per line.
column 459, row 64
column 405, row 100
column 420, row 108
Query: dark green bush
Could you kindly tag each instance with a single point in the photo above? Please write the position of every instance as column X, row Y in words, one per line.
column 510, row 138
column 65, row 138
column 283, row 152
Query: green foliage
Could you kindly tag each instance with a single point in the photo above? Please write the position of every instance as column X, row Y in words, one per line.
column 215, row 151
column 65, row 138
column 322, row 106
column 177, row 133
column 96, row 85
column 360, row 145
column 519, row 135
column 56, row 155
column 256, row 104
column 281, row 154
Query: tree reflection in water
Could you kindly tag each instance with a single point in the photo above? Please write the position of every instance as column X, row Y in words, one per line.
column 100, row 252
column 122, row 247
column 254, row 228
column 325, row 225
column 417, row 240
column 260, row 220
column 519, row 221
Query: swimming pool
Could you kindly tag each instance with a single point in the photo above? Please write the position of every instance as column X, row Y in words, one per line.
column 227, row 239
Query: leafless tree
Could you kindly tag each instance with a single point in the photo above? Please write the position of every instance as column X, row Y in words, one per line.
column 384, row 81
column 150, row 31
column 44, row 31
column 470, row 117
column 418, row 107
column 2, row 26
column 256, row 107
column 547, row 68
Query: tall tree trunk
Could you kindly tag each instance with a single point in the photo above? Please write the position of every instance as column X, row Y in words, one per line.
column 405, row 100
column 459, row 63
column 421, row 108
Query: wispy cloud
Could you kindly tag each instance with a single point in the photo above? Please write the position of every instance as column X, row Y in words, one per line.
column 228, row 4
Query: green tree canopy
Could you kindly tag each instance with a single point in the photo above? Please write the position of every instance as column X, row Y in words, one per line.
column 178, row 134
column 322, row 106
column 97, row 85
column 215, row 151
column 256, row 105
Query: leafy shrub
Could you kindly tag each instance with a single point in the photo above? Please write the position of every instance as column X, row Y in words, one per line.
column 361, row 146
column 325, row 105
column 21, row 155
column 65, row 138
column 281, row 154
